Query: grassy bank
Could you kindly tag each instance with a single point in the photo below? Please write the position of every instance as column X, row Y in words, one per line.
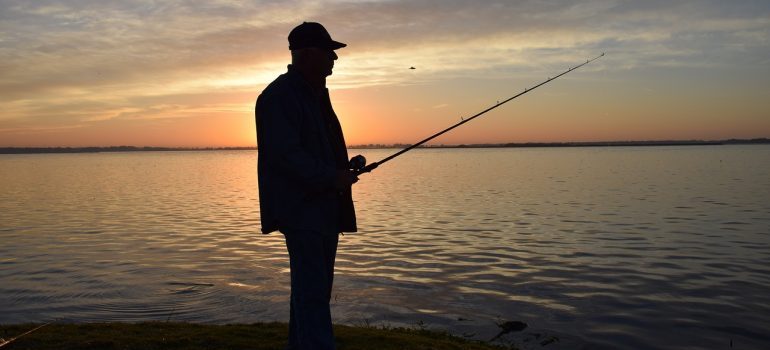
column 161, row 335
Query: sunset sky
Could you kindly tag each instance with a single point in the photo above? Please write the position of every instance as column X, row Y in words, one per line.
column 187, row 73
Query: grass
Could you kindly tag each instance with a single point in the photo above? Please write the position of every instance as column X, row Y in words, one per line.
column 175, row 335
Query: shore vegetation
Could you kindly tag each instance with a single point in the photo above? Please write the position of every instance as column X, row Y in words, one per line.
column 193, row 336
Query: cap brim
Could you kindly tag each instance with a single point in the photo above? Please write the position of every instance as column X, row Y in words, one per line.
column 330, row 45
column 336, row 45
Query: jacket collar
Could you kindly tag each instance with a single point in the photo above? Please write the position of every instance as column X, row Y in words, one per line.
column 297, row 77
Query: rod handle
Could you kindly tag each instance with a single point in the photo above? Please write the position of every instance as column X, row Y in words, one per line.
column 367, row 169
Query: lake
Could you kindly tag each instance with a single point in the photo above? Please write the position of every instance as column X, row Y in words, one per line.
column 611, row 247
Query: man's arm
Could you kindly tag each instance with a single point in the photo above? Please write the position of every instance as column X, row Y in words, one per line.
column 279, row 128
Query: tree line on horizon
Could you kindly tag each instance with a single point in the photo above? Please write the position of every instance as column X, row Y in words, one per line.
column 24, row 150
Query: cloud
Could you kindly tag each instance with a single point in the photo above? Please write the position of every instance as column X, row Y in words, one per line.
column 90, row 43
column 79, row 60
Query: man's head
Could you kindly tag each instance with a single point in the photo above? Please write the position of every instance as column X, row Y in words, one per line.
column 312, row 49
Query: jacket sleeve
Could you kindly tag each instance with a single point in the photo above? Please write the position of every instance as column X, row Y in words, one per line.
column 279, row 127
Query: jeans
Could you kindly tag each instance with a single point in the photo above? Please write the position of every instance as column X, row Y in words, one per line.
column 311, row 259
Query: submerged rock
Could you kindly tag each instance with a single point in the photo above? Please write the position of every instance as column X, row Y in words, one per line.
column 508, row 327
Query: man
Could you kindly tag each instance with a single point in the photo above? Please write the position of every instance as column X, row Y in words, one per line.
column 304, row 179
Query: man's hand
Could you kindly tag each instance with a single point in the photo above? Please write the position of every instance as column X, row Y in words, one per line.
column 344, row 179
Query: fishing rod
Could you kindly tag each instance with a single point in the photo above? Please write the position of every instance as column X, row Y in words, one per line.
column 358, row 163
column 4, row 342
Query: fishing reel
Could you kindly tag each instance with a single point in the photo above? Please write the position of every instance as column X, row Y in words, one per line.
column 357, row 163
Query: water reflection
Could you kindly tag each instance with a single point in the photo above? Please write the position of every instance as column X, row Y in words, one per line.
column 627, row 247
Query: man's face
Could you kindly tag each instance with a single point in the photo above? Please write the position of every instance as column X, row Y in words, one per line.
column 322, row 61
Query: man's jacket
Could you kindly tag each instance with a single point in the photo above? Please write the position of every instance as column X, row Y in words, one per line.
column 300, row 148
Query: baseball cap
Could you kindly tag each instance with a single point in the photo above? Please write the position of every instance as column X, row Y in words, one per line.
column 311, row 34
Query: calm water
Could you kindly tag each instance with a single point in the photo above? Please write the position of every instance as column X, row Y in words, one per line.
column 646, row 247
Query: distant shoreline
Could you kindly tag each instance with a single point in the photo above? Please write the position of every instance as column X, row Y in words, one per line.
column 38, row 150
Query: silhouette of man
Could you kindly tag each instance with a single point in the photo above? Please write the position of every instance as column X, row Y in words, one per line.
column 304, row 179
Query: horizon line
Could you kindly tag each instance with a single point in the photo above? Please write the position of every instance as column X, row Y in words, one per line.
column 128, row 148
